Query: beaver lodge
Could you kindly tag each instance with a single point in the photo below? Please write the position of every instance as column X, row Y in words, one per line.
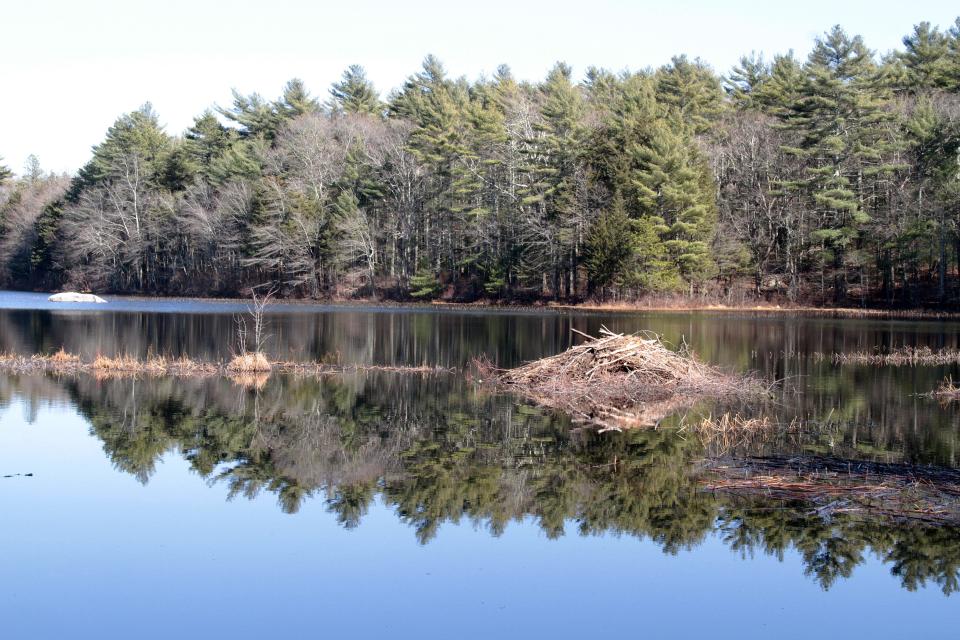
column 619, row 380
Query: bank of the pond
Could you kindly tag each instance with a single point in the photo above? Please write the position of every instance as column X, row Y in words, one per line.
column 182, row 304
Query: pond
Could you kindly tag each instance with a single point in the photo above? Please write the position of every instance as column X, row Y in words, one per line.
column 161, row 507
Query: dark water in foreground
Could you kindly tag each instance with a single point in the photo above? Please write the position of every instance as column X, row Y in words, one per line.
column 390, row 505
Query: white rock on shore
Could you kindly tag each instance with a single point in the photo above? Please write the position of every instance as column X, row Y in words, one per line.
column 73, row 296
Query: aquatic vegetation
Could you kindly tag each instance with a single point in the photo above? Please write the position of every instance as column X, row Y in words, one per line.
column 901, row 357
column 948, row 391
column 250, row 363
column 255, row 364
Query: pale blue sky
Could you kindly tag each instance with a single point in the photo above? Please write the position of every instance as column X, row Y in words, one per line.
column 69, row 68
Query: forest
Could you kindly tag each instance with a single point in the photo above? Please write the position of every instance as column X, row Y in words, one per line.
column 831, row 180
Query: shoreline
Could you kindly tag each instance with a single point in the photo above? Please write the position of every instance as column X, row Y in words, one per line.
column 639, row 307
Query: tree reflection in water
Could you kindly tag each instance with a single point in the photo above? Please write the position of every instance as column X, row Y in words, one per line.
column 437, row 450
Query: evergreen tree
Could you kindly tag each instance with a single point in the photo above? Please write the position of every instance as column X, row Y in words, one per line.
column 253, row 115
column 952, row 71
column 296, row 101
column 355, row 93
column 201, row 152
column 556, row 193
column 780, row 91
column 925, row 58
column 136, row 141
column 608, row 248
column 5, row 173
column 844, row 141
column 746, row 81
column 676, row 198
column 693, row 89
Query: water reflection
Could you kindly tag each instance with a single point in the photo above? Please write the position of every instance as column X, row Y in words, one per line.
column 436, row 449
column 882, row 414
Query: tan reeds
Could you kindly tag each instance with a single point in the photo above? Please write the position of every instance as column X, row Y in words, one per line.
column 616, row 380
column 947, row 391
column 901, row 357
column 62, row 356
column 733, row 430
column 253, row 362
column 249, row 370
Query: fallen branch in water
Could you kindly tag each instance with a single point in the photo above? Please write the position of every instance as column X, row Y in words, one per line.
column 831, row 485
column 618, row 381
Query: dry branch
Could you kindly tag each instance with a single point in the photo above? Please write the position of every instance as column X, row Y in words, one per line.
column 831, row 485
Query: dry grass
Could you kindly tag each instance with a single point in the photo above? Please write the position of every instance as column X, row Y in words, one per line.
column 947, row 391
column 904, row 356
column 254, row 381
column 248, row 370
column 254, row 362
column 619, row 380
column 327, row 367
column 62, row 356
column 128, row 364
column 733, row 430
column 734, row 424
column 184, row 366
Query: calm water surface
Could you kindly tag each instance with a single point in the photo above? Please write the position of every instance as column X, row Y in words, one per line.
column 390, row 505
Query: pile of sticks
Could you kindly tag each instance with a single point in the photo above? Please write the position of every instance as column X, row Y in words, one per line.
column 617, row 380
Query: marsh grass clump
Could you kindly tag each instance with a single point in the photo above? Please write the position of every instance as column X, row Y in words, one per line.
column 617, row 380
column 730, row 428
column 251, row 362
column 901, row 357
column 947, row 391
column 64, row 357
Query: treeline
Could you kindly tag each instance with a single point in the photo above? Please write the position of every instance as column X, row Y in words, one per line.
column 832, row 179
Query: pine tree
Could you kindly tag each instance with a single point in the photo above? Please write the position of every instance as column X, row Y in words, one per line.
column 676, row 197
column 925, row 58
column 5, row 173
column 296, row 101
column 608, row 248
column 746, row 81
column 952, row 70
column 424, row 284
column 556, row 193
column 254, row 115
column 136, row 137
column 355, row 93
column 693, row 89
column 844, row 142
column 204, row 145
